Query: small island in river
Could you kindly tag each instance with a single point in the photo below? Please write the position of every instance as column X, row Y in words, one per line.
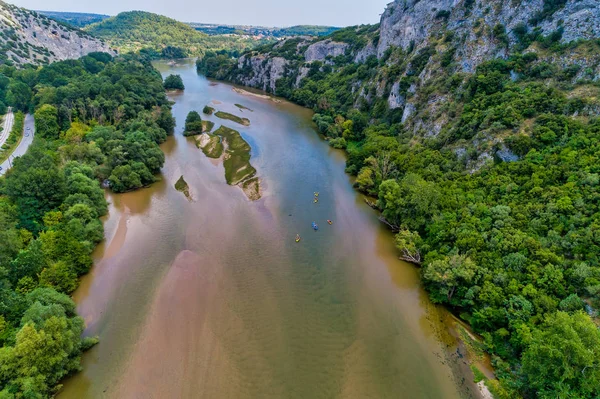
column 236, row 160
column 182, row 186
column 233, row 118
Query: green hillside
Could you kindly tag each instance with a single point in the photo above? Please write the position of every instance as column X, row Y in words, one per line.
column 134, row 30
column 77, row 19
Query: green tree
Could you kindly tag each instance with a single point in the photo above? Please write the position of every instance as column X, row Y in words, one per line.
column 60, row 277
column 35, row 185
column 563, row 359
column 46, row 122
column 193, row 124
column 19, row 95
column 123, row 178
column 174, row 82
column 409, row 242
column 450, row 275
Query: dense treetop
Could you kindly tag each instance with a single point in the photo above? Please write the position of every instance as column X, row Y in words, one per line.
column 97, row 119
column 174, row 82
column 135, row 30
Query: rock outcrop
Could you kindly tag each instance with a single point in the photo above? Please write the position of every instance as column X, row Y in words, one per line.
column 29, row 37
column 418, row 40
column 411, row 23
column 264, row 71
column 321, row 51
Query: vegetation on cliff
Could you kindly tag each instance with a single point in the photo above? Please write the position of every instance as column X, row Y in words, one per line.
column 30, row 37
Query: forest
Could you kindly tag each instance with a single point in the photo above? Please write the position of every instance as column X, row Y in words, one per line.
column 97, row 119
column 136, row 30
column 511, row 246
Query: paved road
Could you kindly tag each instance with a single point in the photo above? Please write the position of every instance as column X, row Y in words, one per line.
column 9, row 119
column 23, row 145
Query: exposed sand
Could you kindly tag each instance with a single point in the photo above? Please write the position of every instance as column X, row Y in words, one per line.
column 252, row 189
column 177, row 339
column 263, row 96
column 485, row 392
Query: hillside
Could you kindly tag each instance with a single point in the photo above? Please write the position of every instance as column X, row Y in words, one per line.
column 475, row 125
column 300, row 30
column 134, row 30
column 76, row 19
column 29, row 37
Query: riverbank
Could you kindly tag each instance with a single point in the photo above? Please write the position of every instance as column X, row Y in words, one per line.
column 256, row 314
column 257, row 95
column 456, row 329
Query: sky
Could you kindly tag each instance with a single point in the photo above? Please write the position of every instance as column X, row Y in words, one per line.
column 234, row 12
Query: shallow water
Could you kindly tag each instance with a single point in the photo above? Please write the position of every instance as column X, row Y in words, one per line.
column 212, row 298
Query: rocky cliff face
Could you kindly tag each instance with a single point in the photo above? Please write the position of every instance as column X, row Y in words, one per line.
column 28, row 37
column 419, row 38
column 412, row 23
column 264, row 71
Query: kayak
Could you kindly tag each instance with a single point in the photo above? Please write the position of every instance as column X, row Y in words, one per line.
column 316, row 200
column 316, row 193
column 314, row 226
column 297, row 238
column 329, row 221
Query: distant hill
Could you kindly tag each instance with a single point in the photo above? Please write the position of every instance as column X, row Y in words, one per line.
column 29, row 37
column 76, row 19
column 134, row 30
column 300, row 30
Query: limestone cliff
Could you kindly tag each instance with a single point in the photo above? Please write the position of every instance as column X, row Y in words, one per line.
column 418, row 39
column 413, row 23
column 29, row 37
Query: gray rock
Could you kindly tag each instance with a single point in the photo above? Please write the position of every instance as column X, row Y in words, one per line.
column 322, row 50
column 44, row 39
column 266, row 71
column 506, row 155
column 395, row 100
column 409, row 110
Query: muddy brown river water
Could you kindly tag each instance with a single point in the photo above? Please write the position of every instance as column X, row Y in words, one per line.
column 213, row 298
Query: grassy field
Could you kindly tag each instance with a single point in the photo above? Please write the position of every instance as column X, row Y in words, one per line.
column 237, row 156
column 234, row 118
column 207, row 126
column 208, row 110
column 211, row 145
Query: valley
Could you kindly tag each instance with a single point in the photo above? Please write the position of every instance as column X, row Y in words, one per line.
column 188, row 210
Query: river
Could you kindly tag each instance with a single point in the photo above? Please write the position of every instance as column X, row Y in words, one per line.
column 213, row 298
